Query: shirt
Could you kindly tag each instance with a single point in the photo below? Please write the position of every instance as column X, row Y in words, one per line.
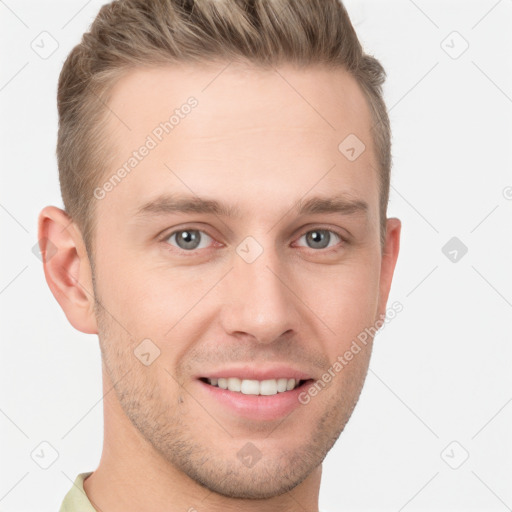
column 76, row 500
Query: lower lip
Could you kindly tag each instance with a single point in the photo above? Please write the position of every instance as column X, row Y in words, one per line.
column 256, row 407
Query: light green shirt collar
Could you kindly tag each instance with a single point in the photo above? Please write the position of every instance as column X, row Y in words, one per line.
column 76, row 500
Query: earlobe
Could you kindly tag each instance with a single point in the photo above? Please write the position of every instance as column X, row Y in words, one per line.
column 389, row 259
column 67, row 268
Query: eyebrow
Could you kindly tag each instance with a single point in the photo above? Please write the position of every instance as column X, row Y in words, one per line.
column 168, row 204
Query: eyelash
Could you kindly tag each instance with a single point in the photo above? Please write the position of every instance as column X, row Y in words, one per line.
column 194, row 252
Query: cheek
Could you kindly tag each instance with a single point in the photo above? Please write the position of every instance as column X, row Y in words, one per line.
column 134, row 294
column 345, row 297
column 154, row 304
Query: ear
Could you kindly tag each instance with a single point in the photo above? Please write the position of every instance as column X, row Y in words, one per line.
column 67, row 268
column 389, row 257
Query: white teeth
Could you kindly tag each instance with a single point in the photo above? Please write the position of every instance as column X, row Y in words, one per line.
column 268, row 387
column 234, row 384
column 250, row 387
column 255, row 387
column 281, row 385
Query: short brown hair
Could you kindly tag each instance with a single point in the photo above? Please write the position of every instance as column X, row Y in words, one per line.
column 127, row 34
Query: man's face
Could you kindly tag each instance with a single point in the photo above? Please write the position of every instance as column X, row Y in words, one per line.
column 266, row 294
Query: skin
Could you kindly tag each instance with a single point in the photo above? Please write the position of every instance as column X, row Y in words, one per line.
column 260, row 140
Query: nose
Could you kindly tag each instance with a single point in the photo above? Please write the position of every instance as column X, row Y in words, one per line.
column 259, row 299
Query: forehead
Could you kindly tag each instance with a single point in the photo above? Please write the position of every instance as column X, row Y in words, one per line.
column 233, row 96
column 267, row 127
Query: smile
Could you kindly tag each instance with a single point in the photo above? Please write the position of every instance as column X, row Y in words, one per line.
column 266, row 387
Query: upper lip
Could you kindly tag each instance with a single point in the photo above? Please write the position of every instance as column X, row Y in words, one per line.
column 254, row 373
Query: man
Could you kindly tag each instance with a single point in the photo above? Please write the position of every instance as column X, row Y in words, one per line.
column 224, row 167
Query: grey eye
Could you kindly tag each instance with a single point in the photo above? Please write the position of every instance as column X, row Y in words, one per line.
column 189, row 239
column 319, row 238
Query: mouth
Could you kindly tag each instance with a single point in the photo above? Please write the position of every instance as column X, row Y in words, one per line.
column 254, row 392
column 267, row 387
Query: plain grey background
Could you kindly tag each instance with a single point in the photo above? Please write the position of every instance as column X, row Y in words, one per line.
column 432, row 430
